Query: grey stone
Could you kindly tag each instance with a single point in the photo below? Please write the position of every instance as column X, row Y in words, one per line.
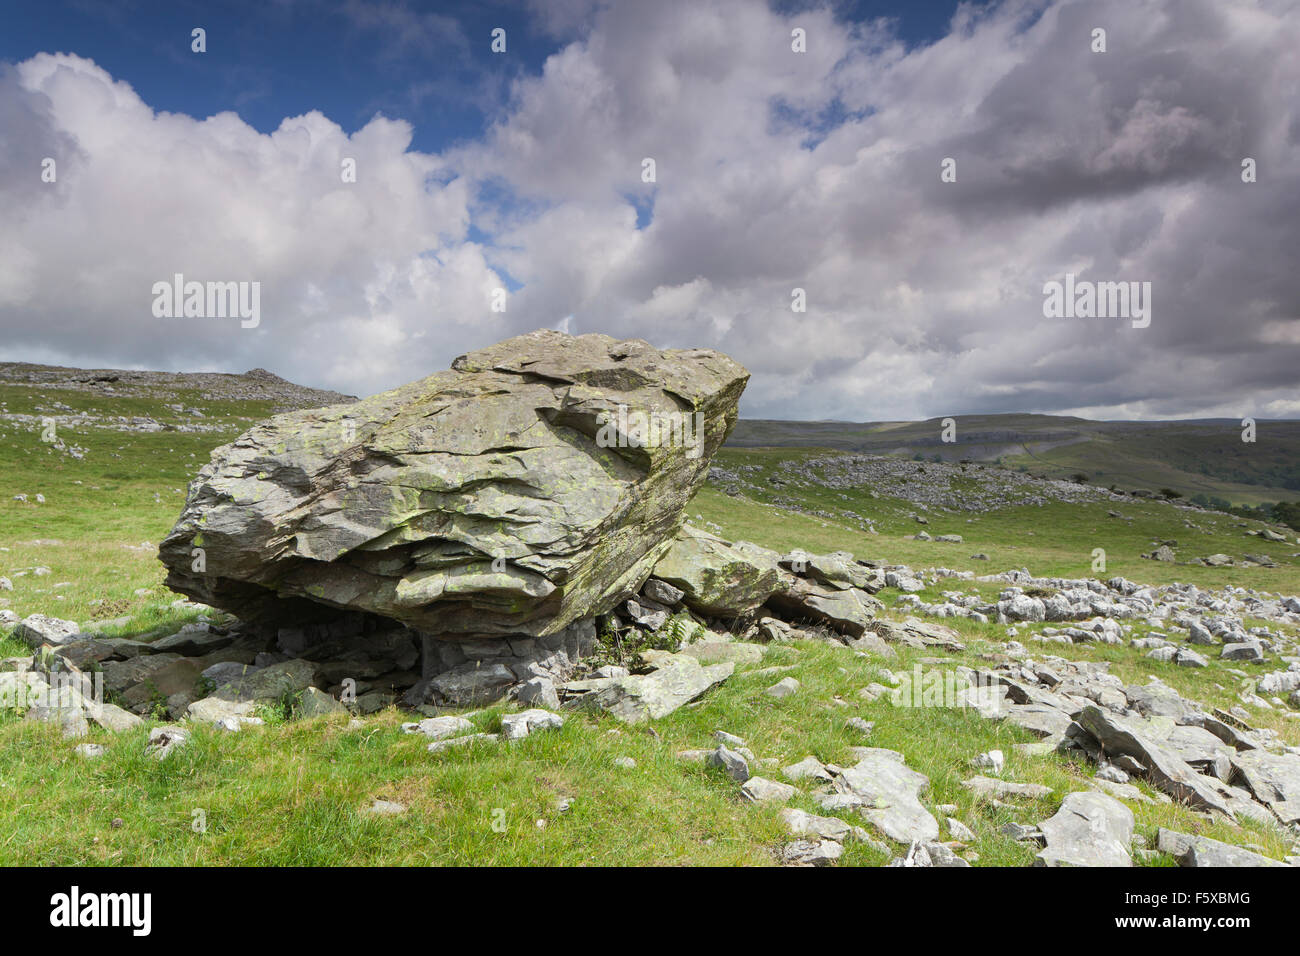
column 270, row 684
column 1202, row 851
column 808, row 767
column 212, row 710
column 400, row 504
column 473, row 684
column 762, row 790
column 1274, row 779
column 886, row 793
column 439, row 728
column 640, row 697
column 1249, row 651
column 804, row 824
column 1090, row 829
column 959, row 831
column 314, row 702
column 663, row 592
column 193, row 640
column 811, row 853
column 37, row 629
column 716, row 577
column 540, row 691
column 111, row 717
column 735, row 765
column 1132, row 737
column 165, row 741
column 997, row 789
column 785, row 687
column 520, row 725
column 224, row 672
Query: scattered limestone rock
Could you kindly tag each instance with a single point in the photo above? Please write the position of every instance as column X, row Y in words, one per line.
column 997, row 789
column 762, row 790
column 520, row 725
column 384, row 808
column 785, row 687
column 165, row 741
column 38, row 629
column 730, row 761
column 637, row 698
column 1202, row 851
column 1090, row 829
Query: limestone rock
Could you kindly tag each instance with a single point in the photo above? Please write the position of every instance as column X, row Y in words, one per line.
column 314, row 702
column 38, row 629
column 640, row 697
column 1090, row 829
column 1202, row 851
column 440, row 728
column 733, row 763
column 762, row 790
column 270, row 684
column 1128, row 736
column 715, row 577
column 536, row 482
column 166, row 740
column 811, row 853
column 520, row 725
column 887, row 793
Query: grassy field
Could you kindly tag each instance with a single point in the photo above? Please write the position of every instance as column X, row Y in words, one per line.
column 292, row 792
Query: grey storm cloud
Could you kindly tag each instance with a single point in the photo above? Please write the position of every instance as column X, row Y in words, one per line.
column 775, row 170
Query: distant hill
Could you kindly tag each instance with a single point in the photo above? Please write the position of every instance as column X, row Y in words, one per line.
column 257, row 385
column 1195, row 457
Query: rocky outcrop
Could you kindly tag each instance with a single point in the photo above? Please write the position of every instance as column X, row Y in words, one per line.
column 533, row 485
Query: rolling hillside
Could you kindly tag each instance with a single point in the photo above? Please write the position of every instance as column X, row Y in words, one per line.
column 1194, row 457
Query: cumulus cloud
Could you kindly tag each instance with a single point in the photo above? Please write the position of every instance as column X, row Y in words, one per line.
column 775, row 170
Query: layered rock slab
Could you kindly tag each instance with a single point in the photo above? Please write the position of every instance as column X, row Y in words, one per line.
column 533, row 484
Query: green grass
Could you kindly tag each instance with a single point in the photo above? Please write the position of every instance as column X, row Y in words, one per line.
column 291, row 792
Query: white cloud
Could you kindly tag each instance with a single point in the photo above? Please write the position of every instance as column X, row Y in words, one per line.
column 775, row 170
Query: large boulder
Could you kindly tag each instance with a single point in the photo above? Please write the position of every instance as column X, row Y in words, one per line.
column 535, row 483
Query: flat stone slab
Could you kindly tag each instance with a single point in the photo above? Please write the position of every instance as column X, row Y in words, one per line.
column 1202, row 851
column 762, row 790
column 887, row 794
column 1090, row 829
column 637, row 698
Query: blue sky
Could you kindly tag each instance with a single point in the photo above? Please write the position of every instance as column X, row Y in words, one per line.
column 429, row 63
column 776, row 171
